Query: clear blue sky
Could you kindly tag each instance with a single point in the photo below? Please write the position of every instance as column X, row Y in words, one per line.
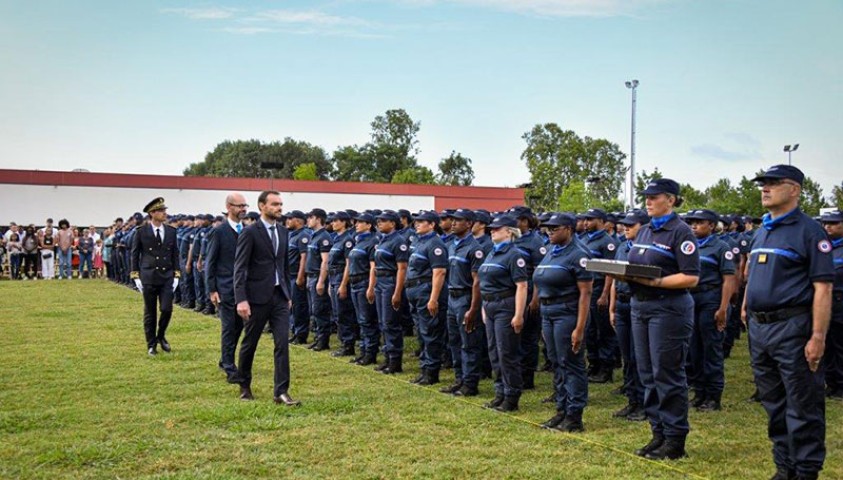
column 151, row 86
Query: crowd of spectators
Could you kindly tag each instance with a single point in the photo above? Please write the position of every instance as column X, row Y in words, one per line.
column 54, row 252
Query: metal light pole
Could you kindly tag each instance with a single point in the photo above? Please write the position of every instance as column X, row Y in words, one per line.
column 632, row 85
column 790, row 149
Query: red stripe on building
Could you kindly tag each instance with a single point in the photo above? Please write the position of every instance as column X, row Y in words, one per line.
column 491, row 198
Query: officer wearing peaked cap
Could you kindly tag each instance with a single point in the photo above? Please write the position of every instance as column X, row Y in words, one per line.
column 788, row 307
column 155, row 273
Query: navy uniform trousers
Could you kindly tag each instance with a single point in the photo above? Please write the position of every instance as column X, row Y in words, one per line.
column 431, row 329
column 632, row 387
column 342, row 311
column 791, row 394
column 300, row 312
column 320, row 308
column 367, row 317
column 661, row 329
column 504, row 346
column 388, row 318
column 466, row 347
column 570, row 383
column 706, row 374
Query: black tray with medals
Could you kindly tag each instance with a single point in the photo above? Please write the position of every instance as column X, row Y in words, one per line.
column 620, row 267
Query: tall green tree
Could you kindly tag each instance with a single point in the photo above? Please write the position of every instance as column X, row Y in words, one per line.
column 642, row 178
column 812, row 197
column 837, row 196
column 455, row 170
column 306, row 171
column 244, row 158
column 418, row 174
column 396, row 129
column 557, row 158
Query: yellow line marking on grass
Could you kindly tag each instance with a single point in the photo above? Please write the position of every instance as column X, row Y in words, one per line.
column 570, row 436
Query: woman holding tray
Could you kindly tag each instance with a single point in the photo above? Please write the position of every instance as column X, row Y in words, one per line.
column 663, row 318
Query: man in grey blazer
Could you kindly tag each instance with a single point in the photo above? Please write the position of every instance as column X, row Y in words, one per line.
column 262, row 294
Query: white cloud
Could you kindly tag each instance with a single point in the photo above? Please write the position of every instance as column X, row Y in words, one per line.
column 212, row 13
column 310, row 17
column 554, row 8
column 247, row 30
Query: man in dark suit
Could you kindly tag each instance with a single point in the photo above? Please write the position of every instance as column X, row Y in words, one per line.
column 219, row 277
column 155, row 260
column 262, row 294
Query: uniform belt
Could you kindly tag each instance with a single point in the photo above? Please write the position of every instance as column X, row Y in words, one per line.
column 706, row 288
column 646, row 297
column 623, row 297
column 384, row 273
column 459, row 292
column 557, row 300
column 417, row 281
column 491, row 297
column 779, row 315
column 358, row 278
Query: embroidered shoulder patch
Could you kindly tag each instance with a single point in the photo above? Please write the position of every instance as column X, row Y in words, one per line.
column 688, row 247
column 521, row 263
column 824, row 246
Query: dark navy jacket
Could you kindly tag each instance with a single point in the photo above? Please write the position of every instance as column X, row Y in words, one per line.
column 464, row 257
column 426, row 253
column 557, row 275
column 320, row 242
column 672, row 247
column 503, row 268
column 716, row 260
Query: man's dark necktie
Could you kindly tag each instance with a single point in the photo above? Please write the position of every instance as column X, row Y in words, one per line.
column 274, row 240
column 158, row 234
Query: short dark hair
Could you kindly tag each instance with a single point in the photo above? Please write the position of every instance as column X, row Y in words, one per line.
column 118, row 219
column 64, row 223
column 49, row 220
column 264, row 194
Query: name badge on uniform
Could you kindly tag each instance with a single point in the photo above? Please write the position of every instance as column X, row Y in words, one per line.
column 762, row 258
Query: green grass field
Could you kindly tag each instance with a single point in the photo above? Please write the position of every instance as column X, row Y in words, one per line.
column 81, row 399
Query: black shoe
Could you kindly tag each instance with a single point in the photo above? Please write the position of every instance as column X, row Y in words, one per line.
column 710, row 405
column 165, row 345
column 618, row 391
column 320, row 346
column 782, row 474
column 529, row 379
column 190, row 305
column 655, row 442
column 593, row 368
column 313, row 345
column 637, row 415
column 509, row 404
column 495, row 402
column 431, row 377
column 345, row 351
column 603, row 375
column 625, row 411
column 393, row 367
column 572, row 423
column 698, row 400
column 452, row 388
column 466, row 391
column 755, row 397
column 381, row 367
column 368, row 359
column 235, row 377
column 152, row 351
column 547, row 367
column 357, row 359
column 199, row 307
column 447, row 362
column 672, row 449
column 550, row 398
column 555, row 421
column 418, row 378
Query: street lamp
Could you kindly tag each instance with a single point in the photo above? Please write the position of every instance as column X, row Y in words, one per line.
column 632, row 85
column 790, row 149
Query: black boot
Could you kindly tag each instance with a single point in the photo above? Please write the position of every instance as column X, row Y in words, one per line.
column 593, row 368
column 347, row 350
column 550, row 398
column 710, row 405
column 321, row 345
column 783, row 474
column 199, row 307
column 368, row 359
column 656, row 442
column 451, row 388
column 495, row 402
column 572, row 423
column 431, row 377
column 382, row 366
column 698, row 400
column 555, row 421
column 603, row 375
column 393, row 367
column 357, row 359
column 466, row 391
column 529, row 377
column 673, row 448
column 637, row 415
column 419, row 377
column 622, row 413
column 510, row 404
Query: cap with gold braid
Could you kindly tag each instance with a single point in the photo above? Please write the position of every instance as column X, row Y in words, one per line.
column 156, row 204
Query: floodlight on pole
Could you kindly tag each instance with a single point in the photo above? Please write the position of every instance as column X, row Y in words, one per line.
column 632, row 85
column 790, row 149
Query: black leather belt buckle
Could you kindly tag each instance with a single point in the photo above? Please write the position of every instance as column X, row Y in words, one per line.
column 459, row 292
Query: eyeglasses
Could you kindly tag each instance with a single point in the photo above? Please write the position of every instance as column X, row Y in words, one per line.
column 774, row 182
column 239, row 205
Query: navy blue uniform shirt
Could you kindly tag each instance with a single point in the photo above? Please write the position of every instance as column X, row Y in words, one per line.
column 560, row 270
column 485, row 244
column 716, row 260
column 532, row 250
column 426, row 253
column 788, row 254
column 622, row 288
column 503, row 268
column 296, row 245
column 391, row 251
column 362, row 253
column 343, row 243
column 601, row 245
column 464, row 257
column 672, row 247
column 320, row 242
column 838, row 265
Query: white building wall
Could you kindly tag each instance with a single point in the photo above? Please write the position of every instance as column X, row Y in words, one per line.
column 99, row 206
